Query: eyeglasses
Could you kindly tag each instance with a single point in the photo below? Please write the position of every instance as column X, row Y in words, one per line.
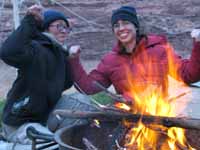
column 61, row 28
column 125, row 23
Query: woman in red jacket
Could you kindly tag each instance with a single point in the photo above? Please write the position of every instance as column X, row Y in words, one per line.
column 136, row 61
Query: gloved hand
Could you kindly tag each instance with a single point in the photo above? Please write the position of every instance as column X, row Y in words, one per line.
column 36, row 11
column 196, row 34
column 74, row 50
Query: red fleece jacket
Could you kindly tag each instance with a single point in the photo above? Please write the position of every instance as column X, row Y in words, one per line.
column 147, row 65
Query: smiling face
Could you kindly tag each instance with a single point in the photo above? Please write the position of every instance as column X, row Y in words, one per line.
column 125, row 32
column 59, row 29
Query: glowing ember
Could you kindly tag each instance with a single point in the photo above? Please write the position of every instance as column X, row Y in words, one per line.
column 123, row 106
column 96, row 123
column 153, row 93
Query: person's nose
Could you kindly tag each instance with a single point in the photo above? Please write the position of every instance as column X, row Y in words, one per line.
column 121, row 27
column 63, row 30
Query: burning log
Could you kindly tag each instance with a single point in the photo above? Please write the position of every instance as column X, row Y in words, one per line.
column 181, row 122
column 121, row 99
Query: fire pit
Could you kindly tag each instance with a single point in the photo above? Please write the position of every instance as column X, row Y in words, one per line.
column 87, row 136
column 166, row 130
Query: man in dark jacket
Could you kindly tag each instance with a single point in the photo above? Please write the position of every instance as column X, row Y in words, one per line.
column 36, row 48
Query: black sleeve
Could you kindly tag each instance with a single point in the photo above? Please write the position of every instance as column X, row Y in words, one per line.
column 17, row 50
column 68, row 76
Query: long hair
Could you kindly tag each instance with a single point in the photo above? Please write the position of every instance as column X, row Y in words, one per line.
column 138, row 39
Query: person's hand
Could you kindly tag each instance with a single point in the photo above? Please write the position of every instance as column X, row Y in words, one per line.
column 196, row 34
column 74, row 51
column 36, row 11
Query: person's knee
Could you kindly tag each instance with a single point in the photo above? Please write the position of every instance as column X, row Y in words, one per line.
column 75, row 101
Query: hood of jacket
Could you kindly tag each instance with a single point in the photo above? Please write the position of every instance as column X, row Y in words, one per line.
column 148, row 41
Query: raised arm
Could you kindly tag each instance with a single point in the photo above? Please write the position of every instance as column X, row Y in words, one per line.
column 84, row 81
column 189, row 69
column 17, row 50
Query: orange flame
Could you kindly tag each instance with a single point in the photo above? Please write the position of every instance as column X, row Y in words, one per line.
column 150, row 90
column 123, row 106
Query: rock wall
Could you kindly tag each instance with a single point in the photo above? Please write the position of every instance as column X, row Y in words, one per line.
column 173, row 18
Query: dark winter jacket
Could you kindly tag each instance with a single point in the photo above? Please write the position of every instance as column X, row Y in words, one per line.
column 147, row 65
column 43, row 74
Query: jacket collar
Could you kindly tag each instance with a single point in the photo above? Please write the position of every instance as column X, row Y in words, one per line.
column 44, row 40
column 147, row 42
column 49, row 40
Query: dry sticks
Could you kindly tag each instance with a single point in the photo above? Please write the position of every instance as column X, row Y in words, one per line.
column 187, row 123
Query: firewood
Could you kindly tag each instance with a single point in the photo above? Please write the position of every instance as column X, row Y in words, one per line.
column 182, row 122
column 89, row 144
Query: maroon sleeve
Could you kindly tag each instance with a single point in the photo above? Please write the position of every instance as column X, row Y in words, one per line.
column 190, row 68
column 85, row 82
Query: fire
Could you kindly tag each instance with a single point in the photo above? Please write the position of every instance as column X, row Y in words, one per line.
column 123, row 106
column 154, row 93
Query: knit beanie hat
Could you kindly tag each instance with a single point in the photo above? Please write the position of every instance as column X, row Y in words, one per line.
column 53, row 15
column 125, row 13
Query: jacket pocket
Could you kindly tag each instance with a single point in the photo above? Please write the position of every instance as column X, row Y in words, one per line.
column 19, row 108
